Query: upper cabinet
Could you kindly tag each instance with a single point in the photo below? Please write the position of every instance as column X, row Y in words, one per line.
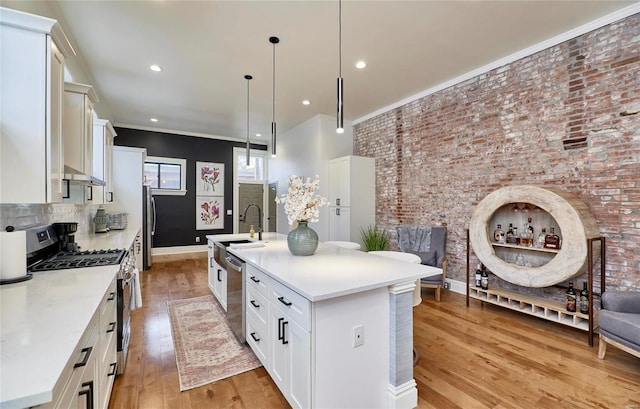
column 78, row 128
column 32, row 59
column 103, row 134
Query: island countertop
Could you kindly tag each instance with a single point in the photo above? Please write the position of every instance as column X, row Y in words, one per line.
column 330, row 272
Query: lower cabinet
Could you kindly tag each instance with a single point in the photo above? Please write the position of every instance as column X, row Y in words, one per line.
column 88, row 377
column 217, row 278
column 278, row 331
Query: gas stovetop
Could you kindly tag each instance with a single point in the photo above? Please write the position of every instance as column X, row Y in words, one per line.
column 79, row 259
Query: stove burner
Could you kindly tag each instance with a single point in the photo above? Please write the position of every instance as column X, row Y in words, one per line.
column 81, row 259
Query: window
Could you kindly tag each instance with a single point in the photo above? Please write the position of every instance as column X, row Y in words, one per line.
column 255, row 170
column 166, row 176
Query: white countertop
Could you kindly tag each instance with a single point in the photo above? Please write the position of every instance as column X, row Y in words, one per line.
column 43, row 319
column 331, row 272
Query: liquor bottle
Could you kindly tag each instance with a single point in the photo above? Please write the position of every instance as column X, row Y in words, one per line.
column 552, row 240
column 478, row 277
column 584, row 299
column 571, row 298
column 516, row 236
column 529, row 227
column 484, row 277
column 498, row 234
column 252, row 232
column 509, row 235
column 541, row 237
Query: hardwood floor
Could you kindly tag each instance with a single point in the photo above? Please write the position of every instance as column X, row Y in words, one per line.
column 483, row 356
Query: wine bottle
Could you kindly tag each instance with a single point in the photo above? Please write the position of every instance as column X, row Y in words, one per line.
column 584, row 299
column 571, row 298
column 478, row 277
column 484, row 278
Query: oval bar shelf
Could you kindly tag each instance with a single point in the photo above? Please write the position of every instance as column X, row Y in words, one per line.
column 573, row 217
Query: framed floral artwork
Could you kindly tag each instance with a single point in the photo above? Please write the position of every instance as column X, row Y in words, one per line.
column 209, row 178
column 209, row 212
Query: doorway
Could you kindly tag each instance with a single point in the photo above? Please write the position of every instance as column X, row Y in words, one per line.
column 250, row 193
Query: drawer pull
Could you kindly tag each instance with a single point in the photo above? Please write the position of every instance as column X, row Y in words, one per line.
column 219, row 271
column 255, row 304
column 210, row 261
column 253, row 335
column 87, row 352
column 254, row 279
column 113, row 369
column 280, row 336
column 285, row 302
column 112, row 327
column 89, row 393
column 112, row 296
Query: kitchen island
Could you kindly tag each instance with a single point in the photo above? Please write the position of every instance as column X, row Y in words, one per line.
column 334, row 329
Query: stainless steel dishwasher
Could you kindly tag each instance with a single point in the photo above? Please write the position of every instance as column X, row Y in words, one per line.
column 236, row 308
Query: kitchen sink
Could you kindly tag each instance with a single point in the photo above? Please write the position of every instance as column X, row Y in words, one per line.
column 227, row 243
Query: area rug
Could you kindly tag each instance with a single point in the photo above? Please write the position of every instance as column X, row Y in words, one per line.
column 206, row 350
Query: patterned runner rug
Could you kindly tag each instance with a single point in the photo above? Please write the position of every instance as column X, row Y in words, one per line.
column 206, row 350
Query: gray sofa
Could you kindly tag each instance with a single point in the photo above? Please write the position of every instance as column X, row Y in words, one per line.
column 619, row 321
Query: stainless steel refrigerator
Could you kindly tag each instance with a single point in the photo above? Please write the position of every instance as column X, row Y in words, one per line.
column 148, row 225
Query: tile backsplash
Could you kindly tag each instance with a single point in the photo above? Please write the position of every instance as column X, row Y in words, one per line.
column 22, row 216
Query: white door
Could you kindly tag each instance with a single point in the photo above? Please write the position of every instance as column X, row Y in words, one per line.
column 339, row 177
column 299, row 371
column 279, row 350
column 339, row 223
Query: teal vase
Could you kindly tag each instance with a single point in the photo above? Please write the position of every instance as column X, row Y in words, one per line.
column 303, row 240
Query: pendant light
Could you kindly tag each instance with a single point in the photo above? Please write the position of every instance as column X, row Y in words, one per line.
column 248, row 78
column 274, row 41
column 340, row 127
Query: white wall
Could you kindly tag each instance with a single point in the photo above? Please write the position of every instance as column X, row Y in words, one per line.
column 305, row 151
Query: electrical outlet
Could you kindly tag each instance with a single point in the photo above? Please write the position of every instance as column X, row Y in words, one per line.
column 447, row 285
column 358, row 335
column 229, row 212
column 197, row 239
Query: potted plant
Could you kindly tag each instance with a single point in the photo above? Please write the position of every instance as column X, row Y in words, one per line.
column 374, row 239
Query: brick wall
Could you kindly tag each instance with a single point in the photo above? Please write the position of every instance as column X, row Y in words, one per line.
column 568, row 116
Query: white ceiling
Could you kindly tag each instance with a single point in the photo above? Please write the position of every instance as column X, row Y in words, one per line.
column 206, row 48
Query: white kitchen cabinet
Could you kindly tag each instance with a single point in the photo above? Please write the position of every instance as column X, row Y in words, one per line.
column 352, row 191
column 107, row 357
column 217, row 276
column 78, row 128
column 32, row 58
column 103, row 134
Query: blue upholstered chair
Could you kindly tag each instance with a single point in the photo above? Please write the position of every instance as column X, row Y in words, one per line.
column 429, row 243
column 619, row 321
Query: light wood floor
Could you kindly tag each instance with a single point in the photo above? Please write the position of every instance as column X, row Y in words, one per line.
column 477, row 357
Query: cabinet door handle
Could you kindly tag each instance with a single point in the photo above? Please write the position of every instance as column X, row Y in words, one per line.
column 88, row 392
column 280, row 336
column 337, row 212
column 112, row 296
column 254, row 279
column 211, row 262
column 112, row 327
column 113, row 369
column 67, row 195
column 90, row 192
column 284, row 333
column 255, row 304
column 87, row 353
column 110, row 196
column 219, row 271
column 338, row 202
column 285, row 302
column 253, row 335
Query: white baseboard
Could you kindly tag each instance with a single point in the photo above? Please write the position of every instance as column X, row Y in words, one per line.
column 457, row 286
column 161, row 251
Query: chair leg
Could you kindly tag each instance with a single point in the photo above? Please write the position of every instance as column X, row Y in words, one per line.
column 602, row 348
column 438, row 294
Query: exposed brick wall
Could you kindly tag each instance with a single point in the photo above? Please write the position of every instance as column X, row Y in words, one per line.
column 567, row 116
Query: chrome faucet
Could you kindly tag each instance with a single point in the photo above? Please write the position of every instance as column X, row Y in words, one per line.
column 244, row 218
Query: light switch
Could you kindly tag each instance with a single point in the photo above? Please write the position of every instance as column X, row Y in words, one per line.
column 229, row 212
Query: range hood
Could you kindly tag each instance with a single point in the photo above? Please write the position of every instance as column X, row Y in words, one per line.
column 77, row 177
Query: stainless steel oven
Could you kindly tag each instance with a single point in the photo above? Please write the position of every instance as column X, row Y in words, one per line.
column 235, row 296
column 123, row 289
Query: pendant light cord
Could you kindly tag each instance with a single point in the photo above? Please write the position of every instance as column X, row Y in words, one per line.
column 273, row 102
column 340, row 38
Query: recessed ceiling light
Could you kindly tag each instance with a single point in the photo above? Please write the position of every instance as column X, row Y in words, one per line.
column 360, row 65
column 154, row 119
column 306, row 102
column 155, row 68
column 258, row 135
